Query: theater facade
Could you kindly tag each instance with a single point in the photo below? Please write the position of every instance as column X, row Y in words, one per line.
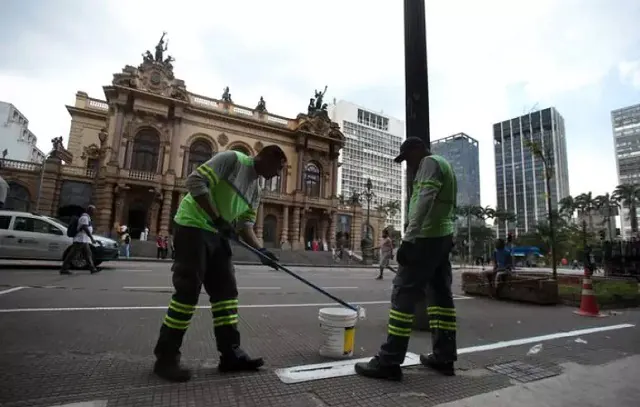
column 130, row 152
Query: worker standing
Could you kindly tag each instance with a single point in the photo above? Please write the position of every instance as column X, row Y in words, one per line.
column 424, row 268
column 222, row 190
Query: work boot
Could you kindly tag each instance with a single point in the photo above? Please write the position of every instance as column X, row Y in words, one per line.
column 379, row 277
column 170, row 369
column 376, row 370
column 444, row 368
column 244, row 363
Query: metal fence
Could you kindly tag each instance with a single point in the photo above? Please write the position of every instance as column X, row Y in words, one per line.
column 621, row 258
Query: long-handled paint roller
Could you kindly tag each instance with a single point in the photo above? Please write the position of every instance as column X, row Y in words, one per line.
column 360, row 310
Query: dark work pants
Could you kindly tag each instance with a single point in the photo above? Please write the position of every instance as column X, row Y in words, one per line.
column 430, row 275
column 78, row 249
column 201, row 258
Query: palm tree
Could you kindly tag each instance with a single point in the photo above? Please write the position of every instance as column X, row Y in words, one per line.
column 504, row 216
column 546, row 157
column 567, row 206
column 608, row 207
column 382, row 208
column 629, row 196
column 586, row 204
column 469, row 211
column 393, row 207
column 487, row 213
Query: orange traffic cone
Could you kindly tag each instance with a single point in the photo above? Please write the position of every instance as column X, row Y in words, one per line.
column 588, row 303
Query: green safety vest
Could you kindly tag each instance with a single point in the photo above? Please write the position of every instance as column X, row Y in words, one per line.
column 440, row 221
column 233, row 190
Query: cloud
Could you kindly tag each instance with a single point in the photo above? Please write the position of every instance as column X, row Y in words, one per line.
column 284, row 49
column 630, row 72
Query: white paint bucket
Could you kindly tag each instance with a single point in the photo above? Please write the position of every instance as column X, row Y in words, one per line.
column 338, row 327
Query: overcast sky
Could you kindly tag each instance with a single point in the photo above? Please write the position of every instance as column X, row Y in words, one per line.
column 489, row 60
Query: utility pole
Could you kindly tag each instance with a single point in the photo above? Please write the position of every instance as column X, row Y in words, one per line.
column 417, row 100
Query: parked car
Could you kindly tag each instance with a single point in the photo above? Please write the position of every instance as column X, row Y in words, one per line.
column 25, row 235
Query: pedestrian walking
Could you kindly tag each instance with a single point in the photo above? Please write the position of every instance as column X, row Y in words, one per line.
column 424, row 263
column 126, row 243
column 81, row 230
column 386, row 252
column 159, row 249
column 222, row 190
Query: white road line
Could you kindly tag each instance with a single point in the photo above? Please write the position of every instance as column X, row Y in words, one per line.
column 534, row 339
column 94, row 403
column 171, row 288
column 340, row 288
column 10, row 290
column 154, row 307
column 307, row 373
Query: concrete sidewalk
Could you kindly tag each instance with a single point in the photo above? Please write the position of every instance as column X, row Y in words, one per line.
column 613, row 384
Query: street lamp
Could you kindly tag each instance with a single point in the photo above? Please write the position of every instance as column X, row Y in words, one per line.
column 102, row 138
column 417, row 100
column 367, row 241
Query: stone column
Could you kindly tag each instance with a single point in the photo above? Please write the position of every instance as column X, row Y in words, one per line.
column 153, row 221
column 165, row 214
column 284, row 234
column 334, row 181
column 300, row 172
column 324, row 228
column 119, row 207
column 161, row 154
column 295, row 231
column 260, row 223
column 175, row 146
column 332, row 229
column 104, row 201
column 185, row 163
column 303, row 229
column 129, row 157
column 117, row 136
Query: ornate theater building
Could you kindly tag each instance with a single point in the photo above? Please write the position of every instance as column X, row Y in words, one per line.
column 130, row 153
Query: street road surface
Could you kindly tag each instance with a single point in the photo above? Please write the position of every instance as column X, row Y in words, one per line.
column 89, row 338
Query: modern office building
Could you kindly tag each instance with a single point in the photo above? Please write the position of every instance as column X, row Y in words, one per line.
column 17, row 142
column 463, row 153
column 626, row 138
column 372, row 142
column 520, row 180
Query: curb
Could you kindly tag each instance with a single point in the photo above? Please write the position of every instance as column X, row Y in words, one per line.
column 251, row 263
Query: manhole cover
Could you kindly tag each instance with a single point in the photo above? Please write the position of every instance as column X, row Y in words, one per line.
column 522, row 372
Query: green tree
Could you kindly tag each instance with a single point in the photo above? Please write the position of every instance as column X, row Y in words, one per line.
column 546, row 157
column 393, row 207
column 609, row 208
column 586, row 205
column 628, row 195
column 567, row 206
column 469, row 212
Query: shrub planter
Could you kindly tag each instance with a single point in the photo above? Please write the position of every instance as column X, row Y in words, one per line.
column 526, row 288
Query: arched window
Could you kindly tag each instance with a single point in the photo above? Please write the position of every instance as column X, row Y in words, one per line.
column 274, row 184
column 311, row 178
column 146, row 151
column 242, row 149
column 18, row 198
column 199, row 152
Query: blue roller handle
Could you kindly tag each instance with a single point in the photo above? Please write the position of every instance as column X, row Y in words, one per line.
column 294, row 275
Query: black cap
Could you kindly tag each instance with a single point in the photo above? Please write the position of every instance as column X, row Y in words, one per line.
column 409, row 144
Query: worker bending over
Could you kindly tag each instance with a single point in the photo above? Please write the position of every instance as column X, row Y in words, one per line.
column 222, row 190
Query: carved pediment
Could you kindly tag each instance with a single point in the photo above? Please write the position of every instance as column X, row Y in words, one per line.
column 154, row 75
